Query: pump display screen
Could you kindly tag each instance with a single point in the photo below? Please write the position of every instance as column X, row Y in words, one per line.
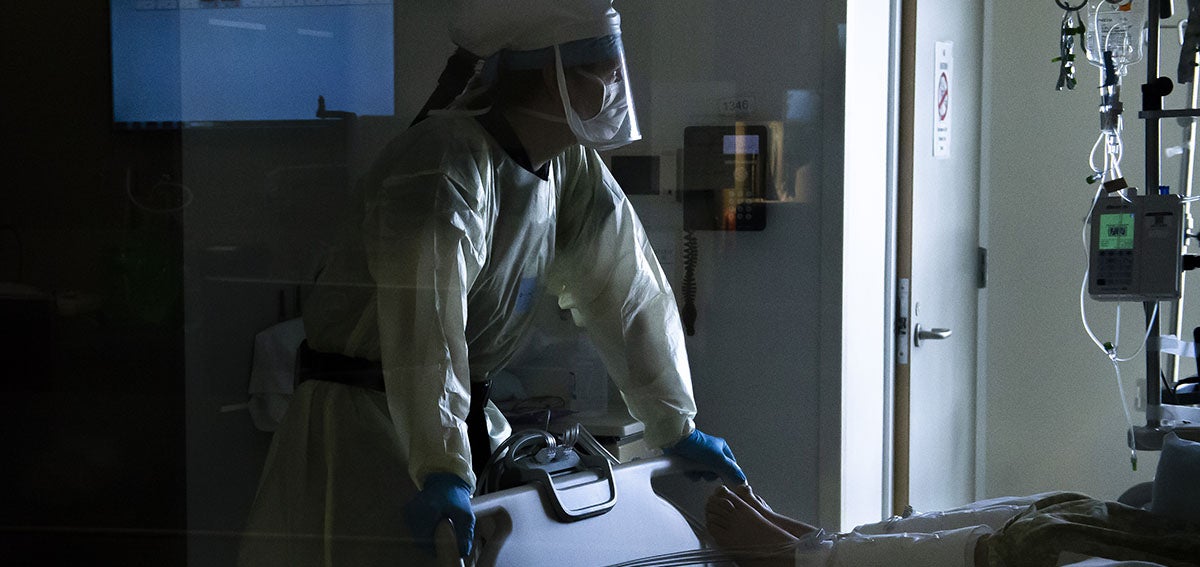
column 744, row 145
column 1116, row 231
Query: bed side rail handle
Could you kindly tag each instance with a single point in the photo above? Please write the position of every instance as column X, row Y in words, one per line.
column 597, row 464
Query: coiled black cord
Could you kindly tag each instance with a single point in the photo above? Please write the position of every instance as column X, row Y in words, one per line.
column 691, row 250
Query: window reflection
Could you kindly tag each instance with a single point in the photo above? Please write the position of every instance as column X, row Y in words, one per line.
column 168, row 219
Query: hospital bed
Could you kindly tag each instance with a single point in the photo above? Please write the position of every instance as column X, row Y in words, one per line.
column 586, row 518
column 617, row 516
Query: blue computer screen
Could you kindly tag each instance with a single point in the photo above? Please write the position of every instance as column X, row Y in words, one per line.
column 239, row 60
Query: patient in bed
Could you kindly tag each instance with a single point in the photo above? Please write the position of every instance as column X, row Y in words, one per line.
column 1049, row 529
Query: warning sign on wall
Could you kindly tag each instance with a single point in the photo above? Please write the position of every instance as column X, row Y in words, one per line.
column 943, row 75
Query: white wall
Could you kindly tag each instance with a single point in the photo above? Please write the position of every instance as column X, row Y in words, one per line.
column 763, row 297
column 1052, row 416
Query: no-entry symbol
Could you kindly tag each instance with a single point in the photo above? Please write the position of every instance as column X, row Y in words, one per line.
column 943, row 79
column 943, row 97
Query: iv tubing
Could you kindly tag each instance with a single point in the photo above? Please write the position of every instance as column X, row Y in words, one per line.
column 1092, row 155
column 1083, row 295
column 1111, row 352
column 1087, row 260
column 1125, row 408
column 1145, row 338
column 1088, row 328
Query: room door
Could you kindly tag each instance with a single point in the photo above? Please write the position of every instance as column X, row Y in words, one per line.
column 938, row 260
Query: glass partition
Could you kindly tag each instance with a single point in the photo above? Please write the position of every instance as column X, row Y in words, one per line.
column 201, row 185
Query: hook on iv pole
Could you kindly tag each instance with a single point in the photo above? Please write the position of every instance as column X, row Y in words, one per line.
column 1069, row 7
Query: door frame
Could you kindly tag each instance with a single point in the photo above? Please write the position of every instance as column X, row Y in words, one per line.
column 905, row 132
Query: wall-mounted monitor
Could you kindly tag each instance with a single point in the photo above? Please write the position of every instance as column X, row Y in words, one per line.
column 189, row 61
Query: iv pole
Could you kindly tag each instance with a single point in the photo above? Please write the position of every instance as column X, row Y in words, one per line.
column 1152, row 100
column 1160, row 419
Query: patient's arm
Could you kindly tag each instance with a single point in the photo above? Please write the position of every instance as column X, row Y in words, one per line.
column 745, row 526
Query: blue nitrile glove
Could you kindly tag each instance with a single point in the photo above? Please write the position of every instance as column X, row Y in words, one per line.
column 445, row 496
column 710, row 451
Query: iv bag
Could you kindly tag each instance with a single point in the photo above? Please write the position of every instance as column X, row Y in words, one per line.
column 1118, row 26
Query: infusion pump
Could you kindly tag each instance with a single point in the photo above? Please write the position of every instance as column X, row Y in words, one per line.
column 1136, row 250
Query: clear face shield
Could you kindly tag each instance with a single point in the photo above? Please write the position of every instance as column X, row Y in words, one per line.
column 593, row 83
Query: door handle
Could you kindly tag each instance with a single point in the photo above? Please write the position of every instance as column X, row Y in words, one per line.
column 930, row 335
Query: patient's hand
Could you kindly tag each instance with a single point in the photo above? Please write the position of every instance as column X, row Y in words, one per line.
column 790, row 525
column 739, row 528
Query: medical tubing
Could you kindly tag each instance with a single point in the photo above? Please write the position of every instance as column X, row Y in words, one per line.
column 1114, row 151
column 1099, row 344
column 1145, row 339
column 503, row 452
column 511, row 450
column 1110, row 352
column 1092, row 156
column 1083, row 313
column 1117, row 149
column 1124, row 405
column 1083, row 295
column 702, row 556
column 1116, row 342
column 1086, row 260
column 514, row 452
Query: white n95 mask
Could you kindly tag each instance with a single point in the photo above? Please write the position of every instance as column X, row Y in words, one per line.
column 615, row 123
column 614, row 108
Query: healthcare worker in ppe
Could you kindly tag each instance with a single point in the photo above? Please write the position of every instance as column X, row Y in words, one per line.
column 465, row 220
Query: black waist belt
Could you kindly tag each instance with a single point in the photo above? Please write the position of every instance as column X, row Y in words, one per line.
column 363, row 373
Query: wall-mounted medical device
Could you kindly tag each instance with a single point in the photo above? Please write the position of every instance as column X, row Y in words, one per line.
column 1135, row 252
column 725, row 177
